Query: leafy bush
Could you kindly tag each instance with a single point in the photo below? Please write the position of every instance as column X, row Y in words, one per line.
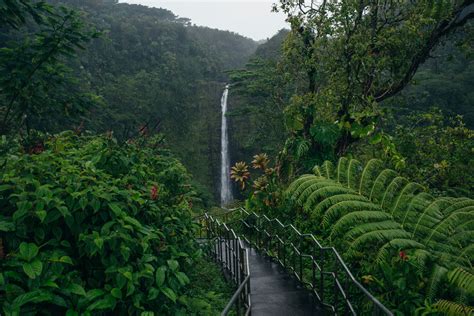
column 88, row 226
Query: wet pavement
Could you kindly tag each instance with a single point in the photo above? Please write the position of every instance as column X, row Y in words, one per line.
column 274, row 292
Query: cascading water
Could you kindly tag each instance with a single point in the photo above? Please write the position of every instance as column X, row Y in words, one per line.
column 226, row 193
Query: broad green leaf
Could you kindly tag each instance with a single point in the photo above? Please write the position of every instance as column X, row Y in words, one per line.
column 116, row 293
column 99, row 242
column 82, row 203
column 153, row 294
column 23, row 208
column 71, row 312
column 106, row 303
column 28, row 251
column 6, row 226
column 93, row 294
column 33, row 269
column 66, row 259
column 182, row 278
column 169, row 293
column 5, row 187
column 128, row 275
column 173, row 264
column 36, row 296
column 160, row 276
column 132, row 221
column 116, row 209
column 95, row 203
column 41, row 215
column 77, row 289
column 64, row 211
column 51, row 283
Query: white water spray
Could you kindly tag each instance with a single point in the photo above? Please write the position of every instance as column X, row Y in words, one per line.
column 226, row 193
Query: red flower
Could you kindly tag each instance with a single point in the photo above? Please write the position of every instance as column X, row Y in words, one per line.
column 38, row 148
column 154, row 192
column 403, row 255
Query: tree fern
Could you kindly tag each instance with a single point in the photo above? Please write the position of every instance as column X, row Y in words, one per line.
column 375, row 210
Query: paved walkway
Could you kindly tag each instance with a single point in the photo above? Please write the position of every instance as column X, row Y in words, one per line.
column 274, row 293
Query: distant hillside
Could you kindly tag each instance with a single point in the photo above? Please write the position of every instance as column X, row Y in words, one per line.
column 150, row 66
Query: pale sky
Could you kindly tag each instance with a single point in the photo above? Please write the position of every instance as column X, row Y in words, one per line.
column 251, row 18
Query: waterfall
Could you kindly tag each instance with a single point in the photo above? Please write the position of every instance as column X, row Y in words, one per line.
column 226, row 194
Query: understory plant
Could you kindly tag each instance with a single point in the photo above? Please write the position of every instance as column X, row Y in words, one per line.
column 409, row 247
column 88, row 226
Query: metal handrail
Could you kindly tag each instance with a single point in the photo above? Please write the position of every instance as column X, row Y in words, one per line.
column 328, row 278
column 228, row 250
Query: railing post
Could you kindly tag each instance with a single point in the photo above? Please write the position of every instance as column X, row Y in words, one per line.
column 336, row 292
column 321, row 281
column 301, row 260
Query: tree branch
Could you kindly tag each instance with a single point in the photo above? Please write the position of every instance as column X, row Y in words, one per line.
column 461, row 16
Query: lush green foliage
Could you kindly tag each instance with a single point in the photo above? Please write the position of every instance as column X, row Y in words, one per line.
column 88, row 225
column 400, row 237
column 338, row 64
column 153, row 68
column 437, row 150
column 148, row 68
column 33, row 70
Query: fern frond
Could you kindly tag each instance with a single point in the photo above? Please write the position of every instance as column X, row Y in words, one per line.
column 465, row 256
column 457, row 205
column 325, row 170
column 432, row 214
column 407, row 194
column 416, row 206
column 308, row 187
column 360, row 230
column 462, row 279
column 329, row 201
column 293, row 187
column 344, row 207
column 342, row 166
column 437, row 274
column 447, row 224
column 348, row 221
column 390, row 193
column 369, row 173
column 353, row 174
column 397, row 244
column 380, row 184
column 374, row 238
column 324, row 192
column 453, row 309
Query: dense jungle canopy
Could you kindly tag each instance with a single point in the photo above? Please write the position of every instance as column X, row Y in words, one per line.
column 355, row 125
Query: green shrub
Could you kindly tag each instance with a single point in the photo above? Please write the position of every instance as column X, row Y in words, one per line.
column 88, row 226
